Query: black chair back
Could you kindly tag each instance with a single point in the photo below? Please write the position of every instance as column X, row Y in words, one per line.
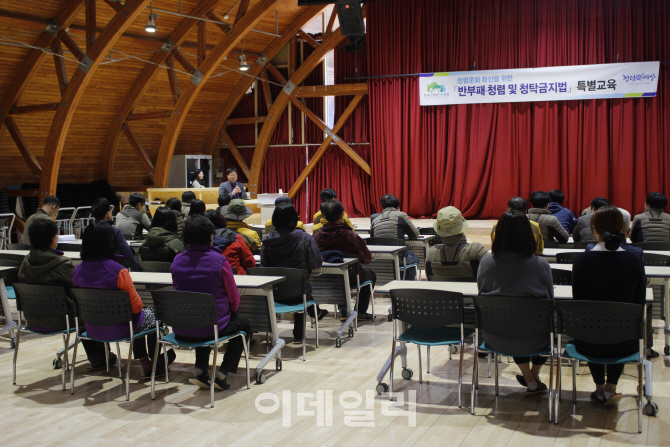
column 427, row 308
column 561, row 277
column 154, row 266
column 657, row 260
column 550, row 244
column 69, row 247
column 12, row 257
column 451, row 278
column 40, row 302
column 385, row 241
column 8, row 263
column 428, row 231
column 600, row 322
column 102, row 307
column 519, row 325
column 565, row 258
column 294, row 286
column 185, row 310
column 653, row 245
column 583, row 244
column 19, row 247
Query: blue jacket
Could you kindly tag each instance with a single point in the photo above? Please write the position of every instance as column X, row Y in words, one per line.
column 564, row 216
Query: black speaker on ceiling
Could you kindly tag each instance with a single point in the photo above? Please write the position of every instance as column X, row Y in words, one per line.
column 350, row 15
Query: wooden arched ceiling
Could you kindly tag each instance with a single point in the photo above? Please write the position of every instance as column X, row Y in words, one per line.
column 70, row 143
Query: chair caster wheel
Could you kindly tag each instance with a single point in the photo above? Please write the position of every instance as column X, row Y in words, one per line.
column 651, row 409
column 351, row 332
column 407, row 373
column 390, row 317
column 666, row 350
column 338, row 342
column 382, row 388
column 260, row 378
column 166, row 331
column 57, row 363
column 12, row 344
column 453, row 349
column 278, row 365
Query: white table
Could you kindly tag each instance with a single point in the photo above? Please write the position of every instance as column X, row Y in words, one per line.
column 74, row 255
column 419, row 246
column 551, row 252
column 382, row 256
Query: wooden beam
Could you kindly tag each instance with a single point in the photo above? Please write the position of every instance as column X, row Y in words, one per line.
column 139, row 150
column 143, row 81
column 75, row 90
column 267, row 93
column 235, row 151
column 276, row 73
column 241, row 121
column 309, row 39
column 319, row 91
column 331, row 22
column 115, row 5
column 23, row 146
column 172, row 77
column 242, row 10
column 212, row 16
column 223, row 48
column 149, row 115
column 202, row 42
column 61, row 69
column 183, row 61
column 72, row 45
column 326, row 144
column 292, row 56
column 34, row 108
column 90, row 24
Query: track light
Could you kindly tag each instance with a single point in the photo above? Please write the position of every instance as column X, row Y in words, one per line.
column 151, row 26
column 243, row 62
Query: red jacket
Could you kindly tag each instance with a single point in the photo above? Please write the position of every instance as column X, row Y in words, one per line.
column 239, row 256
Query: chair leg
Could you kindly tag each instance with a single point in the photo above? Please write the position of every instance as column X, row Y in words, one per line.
column 551, row 385
column 420, row 365
column 391, row 370
column 428, row 358
column 558, row 385
column 640, row 386
column 317, row 325
column 489, row 360
column 153, row 371
column 246, row 358
column 130, row 357
column 575, row 365
column 118, row 358
column 372, row 301
column 64, row 367
column 165, row 358
column 304, row 338
column 495, row 360
column 16, row 352
column 212, row 376
column 475, row 373
column 74, row 362
column 460, row 377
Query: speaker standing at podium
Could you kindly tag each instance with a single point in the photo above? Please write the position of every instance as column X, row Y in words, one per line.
column 232, row 187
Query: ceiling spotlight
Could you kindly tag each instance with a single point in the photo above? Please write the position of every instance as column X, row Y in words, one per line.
column 226, row 17
column 151, row 26
column 243, row 63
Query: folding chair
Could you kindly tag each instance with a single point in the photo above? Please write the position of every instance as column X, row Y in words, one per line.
column 189, row 310
column 531, row 334
column 561, row 277
column 102, row 307
column 398, row 243
column 652, row 245
column 6, row 224
column 428, row 313
column 42, row 303
column 354, row 270
column 154, row 266
column 64, row 219
column 565, row 258
column 653, row 259
column 583, row 244
column 601, row 322
column 295, row 285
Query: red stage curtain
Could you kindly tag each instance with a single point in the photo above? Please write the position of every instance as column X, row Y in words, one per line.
column 476, row 157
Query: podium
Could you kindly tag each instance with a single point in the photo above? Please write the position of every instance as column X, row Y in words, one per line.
column 266, row 203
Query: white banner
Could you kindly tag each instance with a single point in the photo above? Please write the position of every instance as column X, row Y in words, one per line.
column 630, row 80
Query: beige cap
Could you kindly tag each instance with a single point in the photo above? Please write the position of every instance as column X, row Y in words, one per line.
column 450, row 222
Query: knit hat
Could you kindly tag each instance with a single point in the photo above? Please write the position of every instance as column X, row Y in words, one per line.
column 236, row 210
column 450, row 222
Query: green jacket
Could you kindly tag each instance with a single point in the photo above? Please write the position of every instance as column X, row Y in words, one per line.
column 161, row 245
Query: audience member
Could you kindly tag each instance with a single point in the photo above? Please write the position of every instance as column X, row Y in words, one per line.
column 99, row 269
column 520, row 204
column 202, row 269
column 514, row 271
column 101, row 211
column 49, row 210
column 186, row 198
column 231, row 244
column 47, row 266
column 175, row 204
column 654, row 224
column 608, row 273
column 455, row 257
column 162, row 243
column 392, row 222
column 564, row 215
column 132, row 220
column 223, row 200
column 287, row 246
column 232, row 187
column 549, row 225
column 582, row 231
column 319, row 219
column 282, row 201
column 337, row 235
column 235, row 213
column 197, row 207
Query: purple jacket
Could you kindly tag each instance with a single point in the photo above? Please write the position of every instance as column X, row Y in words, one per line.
column 104, row 275
column 203, row 269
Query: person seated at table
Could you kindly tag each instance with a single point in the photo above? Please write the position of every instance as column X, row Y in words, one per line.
column 132, row 220
column 235, row 213
column 337, row 235
column 48, row 211
column 549, row 225
column 608, row 273
column 100, row 269
column 223, row 200
column 47, row 266
column 162, row 243
column 186, row 198
column 198, row 179
column 287, row 246
column 654, row 224
column 175, row 205
column 197, row 207
column 202, row 269
column 582, row 231
column 564, row 215
column 231, row 244
column 101, row 211
column 392, row 222
column 281, row 201
column 455, row 257
column 232, row 187
column 520, row 204
column 327, row 194
column 513, row 270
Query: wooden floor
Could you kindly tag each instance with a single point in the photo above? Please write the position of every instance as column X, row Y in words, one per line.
column 37, row 412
